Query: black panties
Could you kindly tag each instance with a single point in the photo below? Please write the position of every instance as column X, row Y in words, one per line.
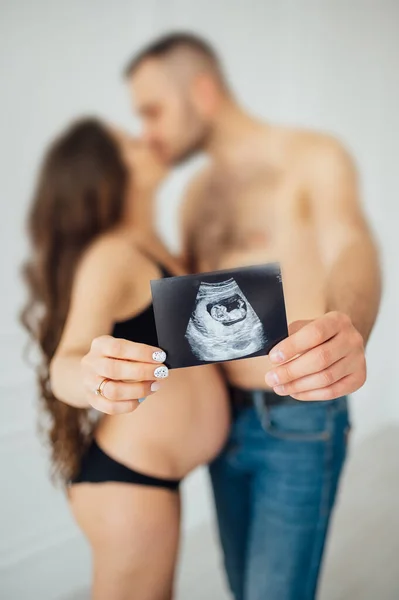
column 98, row 467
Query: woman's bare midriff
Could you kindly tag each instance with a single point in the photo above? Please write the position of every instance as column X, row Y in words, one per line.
column 180, row 427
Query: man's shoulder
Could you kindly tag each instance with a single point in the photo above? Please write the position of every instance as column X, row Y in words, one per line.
column 304, row 145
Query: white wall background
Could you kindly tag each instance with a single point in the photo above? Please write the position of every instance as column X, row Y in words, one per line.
column 328, row 64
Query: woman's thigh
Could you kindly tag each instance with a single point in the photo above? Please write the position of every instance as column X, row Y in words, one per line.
column 134, row 535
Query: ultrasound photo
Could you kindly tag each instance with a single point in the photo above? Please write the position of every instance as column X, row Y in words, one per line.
column 223, row 324
column 219, row 316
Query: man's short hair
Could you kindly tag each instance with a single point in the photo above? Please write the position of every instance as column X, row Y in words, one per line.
column 172, row 43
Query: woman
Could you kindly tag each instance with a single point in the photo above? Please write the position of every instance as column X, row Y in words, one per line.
column 94, row 254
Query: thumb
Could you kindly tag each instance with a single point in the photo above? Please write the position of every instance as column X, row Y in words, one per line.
column 297, row 325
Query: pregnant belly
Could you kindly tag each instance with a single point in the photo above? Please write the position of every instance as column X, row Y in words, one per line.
column 172, row 432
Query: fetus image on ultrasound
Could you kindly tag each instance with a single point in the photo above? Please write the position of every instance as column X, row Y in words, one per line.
column 219, row 316
column 223, row 324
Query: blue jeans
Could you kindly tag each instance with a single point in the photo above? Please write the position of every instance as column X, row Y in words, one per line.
column 274, row 486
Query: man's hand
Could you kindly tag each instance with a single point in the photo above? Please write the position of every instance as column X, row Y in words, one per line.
column 321, row 359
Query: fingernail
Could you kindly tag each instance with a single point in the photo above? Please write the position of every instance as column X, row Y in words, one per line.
column 155, row 386
column 276, row 356
column 161, row 372
column 159, row 356
column 272, row 379
column 279, row 389
column 141, row 400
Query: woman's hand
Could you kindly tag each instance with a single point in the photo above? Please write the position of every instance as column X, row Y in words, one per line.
column 129, row 371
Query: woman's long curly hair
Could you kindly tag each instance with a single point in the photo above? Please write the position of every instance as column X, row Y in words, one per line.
column 79, row 195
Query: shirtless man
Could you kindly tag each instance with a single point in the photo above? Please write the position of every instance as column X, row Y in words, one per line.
column 270, row 194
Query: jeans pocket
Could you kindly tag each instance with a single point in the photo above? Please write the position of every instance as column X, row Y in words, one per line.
column 298, row 421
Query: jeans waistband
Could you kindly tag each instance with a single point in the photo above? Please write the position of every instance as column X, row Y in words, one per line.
column 242, row 398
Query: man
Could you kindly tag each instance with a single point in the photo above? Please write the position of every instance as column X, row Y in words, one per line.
column 270, row 194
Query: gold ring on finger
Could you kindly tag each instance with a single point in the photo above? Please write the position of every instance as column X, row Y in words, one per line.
column 99, row 391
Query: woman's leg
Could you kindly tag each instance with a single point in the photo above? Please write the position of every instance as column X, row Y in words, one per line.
column 134, row 535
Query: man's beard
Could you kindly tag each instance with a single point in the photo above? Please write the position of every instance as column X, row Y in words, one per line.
column 199, row 138
column 198, row 145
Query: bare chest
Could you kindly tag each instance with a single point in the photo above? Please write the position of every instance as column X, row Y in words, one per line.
column 245, row 220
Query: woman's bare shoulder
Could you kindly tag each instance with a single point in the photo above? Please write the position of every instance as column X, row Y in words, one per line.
column 109, row 252
column 107, row 266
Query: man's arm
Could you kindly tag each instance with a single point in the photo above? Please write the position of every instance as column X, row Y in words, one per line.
column 353, row 282
column 324, row 358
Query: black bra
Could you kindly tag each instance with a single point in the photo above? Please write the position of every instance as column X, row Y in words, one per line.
column 141, row 327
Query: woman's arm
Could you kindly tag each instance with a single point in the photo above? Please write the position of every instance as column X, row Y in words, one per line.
column 87, row 353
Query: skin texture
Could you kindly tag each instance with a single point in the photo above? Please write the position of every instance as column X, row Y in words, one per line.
column 133, row 530
column 271, row 194
column 134, row 533
column 316, row 230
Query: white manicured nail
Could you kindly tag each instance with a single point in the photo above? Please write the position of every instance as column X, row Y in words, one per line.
column 159, row 356
column 161, row 372
column 155, row 386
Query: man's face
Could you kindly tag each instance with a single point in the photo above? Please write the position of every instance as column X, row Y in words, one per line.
column 172, row 123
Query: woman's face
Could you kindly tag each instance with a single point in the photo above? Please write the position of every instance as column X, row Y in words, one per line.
column 143, row 164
